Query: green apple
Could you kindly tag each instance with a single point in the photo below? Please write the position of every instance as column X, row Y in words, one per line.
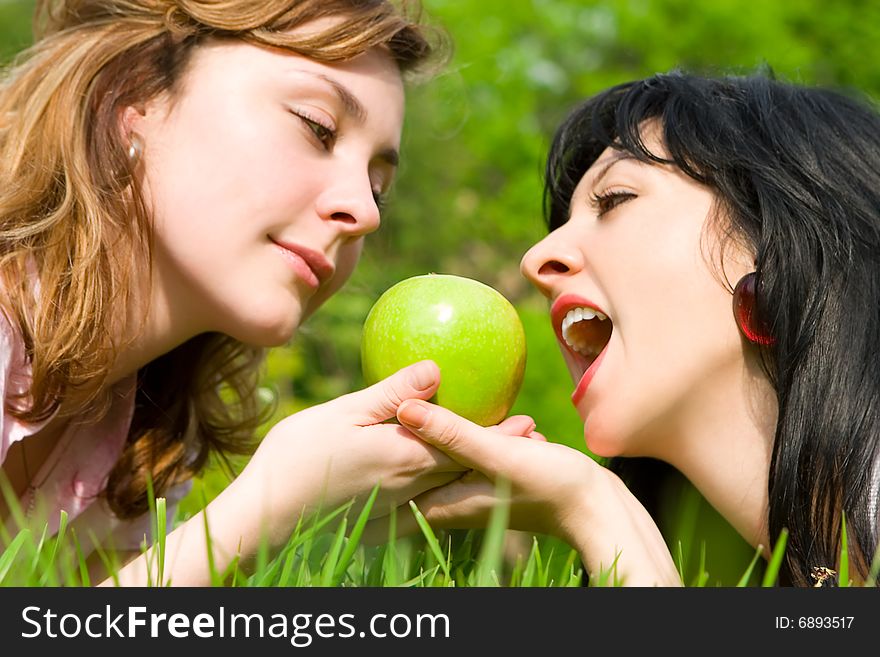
column 469, row 329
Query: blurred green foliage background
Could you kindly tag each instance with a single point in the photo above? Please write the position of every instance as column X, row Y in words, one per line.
column 468, row 197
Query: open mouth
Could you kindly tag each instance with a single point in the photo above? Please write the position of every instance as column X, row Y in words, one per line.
column 585, row 331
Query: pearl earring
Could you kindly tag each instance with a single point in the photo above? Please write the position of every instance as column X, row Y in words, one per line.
column 135, row 147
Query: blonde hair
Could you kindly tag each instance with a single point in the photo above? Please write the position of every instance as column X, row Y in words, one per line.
column 75, row 234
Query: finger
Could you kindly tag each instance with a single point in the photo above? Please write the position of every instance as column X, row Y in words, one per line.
column 535, row 435
column 412, row 453
column 462, row 504
column 470, row 444
column 379, row 401
column 412, row 490
column 516, row 425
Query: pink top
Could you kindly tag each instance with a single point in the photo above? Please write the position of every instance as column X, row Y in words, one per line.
column 76, row 471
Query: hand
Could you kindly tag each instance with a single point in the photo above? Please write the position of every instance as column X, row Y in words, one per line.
column 546, row 478
column 554, row 489
column 326, row 455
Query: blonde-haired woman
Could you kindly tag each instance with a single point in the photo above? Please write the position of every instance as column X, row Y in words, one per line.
column 182, row 183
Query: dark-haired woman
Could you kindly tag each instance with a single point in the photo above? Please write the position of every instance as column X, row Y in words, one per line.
column 713, row 268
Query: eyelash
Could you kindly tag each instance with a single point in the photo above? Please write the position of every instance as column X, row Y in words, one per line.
column 607, row 201
column 323, row 132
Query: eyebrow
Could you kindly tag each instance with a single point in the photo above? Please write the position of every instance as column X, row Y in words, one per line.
column 356, row 111
column 618, row 156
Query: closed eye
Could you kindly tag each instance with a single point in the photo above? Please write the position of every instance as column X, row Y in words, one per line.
column 380, row 199
column 606, row 201
column 325, row 134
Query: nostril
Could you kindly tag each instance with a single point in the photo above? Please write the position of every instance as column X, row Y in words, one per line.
column 344, row 216
column 553, row 267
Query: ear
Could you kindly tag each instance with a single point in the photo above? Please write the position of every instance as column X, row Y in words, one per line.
column 130, row 121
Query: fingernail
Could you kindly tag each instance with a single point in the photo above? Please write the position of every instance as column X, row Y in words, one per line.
column 414, row 414
column 421, row 376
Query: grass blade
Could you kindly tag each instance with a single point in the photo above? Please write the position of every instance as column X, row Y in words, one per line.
column 85, row 579
column 680, row 560
column 49, row 568
column 433, row 544
column 9, row 554
column 263, row 573
column 390, row 557
column 304, row 574
column 161, row 530
column 333, row 553
column 702, row 576
column 419, row 580
column 575, row 577
column 287, row 570
column 111, row 567
column 566, row 572
column 38, row 554
column 533, row 565
column 746, row 576
column 492, row 551
column 843, row 579
column 216, row 578
column 772, row 571
column 354, row 538
column 607, row 576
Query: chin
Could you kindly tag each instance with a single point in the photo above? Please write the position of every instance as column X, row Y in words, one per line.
column 602, row 441
column 278, row 339
column 266, row 331
column 603, row 448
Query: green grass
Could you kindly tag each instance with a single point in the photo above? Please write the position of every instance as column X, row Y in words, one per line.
column 326, row 551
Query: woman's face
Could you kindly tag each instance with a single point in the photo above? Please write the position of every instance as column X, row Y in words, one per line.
column 638, row 250
column 263, row 171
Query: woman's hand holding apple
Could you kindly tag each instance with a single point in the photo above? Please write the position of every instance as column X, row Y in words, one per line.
column 326, row 455
column 554, row 489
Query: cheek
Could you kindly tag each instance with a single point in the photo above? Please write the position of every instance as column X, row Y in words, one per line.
column 667, row 369
column 674, row 341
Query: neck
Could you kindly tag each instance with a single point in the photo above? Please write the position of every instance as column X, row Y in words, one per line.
column 724, row 449
column 154, row 329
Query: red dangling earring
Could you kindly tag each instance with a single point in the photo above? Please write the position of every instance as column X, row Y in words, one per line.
column 745, row 312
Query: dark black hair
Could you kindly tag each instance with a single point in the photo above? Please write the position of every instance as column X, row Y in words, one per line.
column 796, row 170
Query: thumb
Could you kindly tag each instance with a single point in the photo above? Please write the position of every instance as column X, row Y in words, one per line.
column 379, row 401
column 481, row 448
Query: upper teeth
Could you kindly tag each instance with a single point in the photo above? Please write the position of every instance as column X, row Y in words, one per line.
column 574, row 316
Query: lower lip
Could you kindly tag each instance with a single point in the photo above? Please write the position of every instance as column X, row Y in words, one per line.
column 300, row 267
column 582, row 385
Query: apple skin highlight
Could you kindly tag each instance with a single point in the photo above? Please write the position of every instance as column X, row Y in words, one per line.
column 468, row 328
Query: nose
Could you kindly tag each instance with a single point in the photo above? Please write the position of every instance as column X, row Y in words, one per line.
column 349, row 202
column 551, row 261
